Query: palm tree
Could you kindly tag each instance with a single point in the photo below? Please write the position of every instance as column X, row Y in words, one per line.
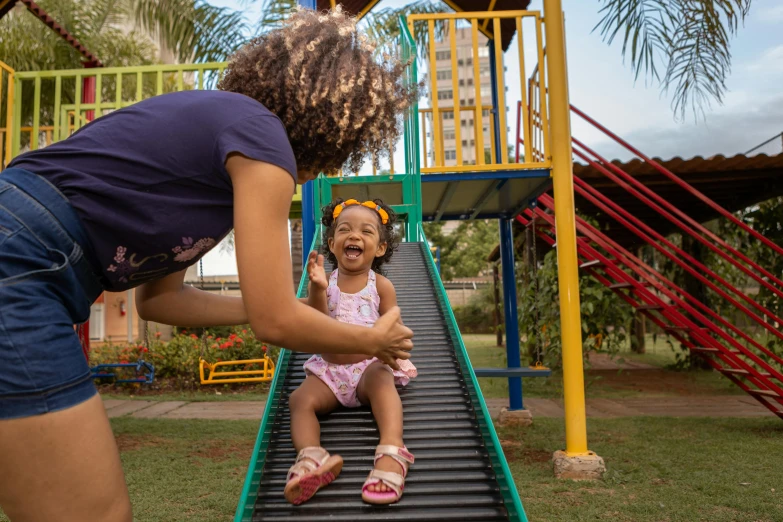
column 192, row 30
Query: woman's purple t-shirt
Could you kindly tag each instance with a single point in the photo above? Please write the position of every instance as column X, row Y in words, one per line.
column 149, row 181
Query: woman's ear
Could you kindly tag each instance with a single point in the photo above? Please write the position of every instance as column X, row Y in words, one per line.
column 381, row 249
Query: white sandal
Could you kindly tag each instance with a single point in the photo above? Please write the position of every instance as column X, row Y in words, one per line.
column 394, row 481
column 314, row 468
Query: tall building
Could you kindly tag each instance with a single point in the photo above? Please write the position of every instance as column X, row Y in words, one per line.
column 466, row 94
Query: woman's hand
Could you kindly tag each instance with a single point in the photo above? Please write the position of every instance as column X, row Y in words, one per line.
column 393, row 338
column 316, row 272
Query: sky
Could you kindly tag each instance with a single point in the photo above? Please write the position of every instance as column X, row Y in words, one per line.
column 603, row 86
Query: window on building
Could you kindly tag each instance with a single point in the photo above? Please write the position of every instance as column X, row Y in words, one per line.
column 445, row 95
column 485, row 113
column 449, row 135
column 460, row 62
column 443, row 55
column 486, row 91
column 444, row 75
column 450, row 154
column 448, row 115
column 483, row 52
column 484, row 70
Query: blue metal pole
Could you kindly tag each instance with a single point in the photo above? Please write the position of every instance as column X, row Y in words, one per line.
column 510, row 308
column 308, row 190
column 493, row 75
column 308, row 218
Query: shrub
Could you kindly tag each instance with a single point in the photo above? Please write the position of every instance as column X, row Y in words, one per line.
column 178, row 359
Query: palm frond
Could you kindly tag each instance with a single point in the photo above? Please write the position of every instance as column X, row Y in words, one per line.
column 383, row 24
column 273, row 13
column 193, row 29
column 688, row 39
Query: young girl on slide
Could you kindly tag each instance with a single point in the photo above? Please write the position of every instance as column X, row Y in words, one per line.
column 134, row 198
column 360, row 238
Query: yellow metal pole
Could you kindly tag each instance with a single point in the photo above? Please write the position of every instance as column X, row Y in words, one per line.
column 478, row 119
column 456, row 91
column 9, row 115
column 523, row 95
column 438, row 160
column 500, row 70
column 567, row 268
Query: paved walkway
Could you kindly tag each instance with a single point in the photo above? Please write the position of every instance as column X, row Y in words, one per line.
column 717, row 406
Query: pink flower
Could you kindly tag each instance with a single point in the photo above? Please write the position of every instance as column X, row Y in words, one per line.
column 193, row 336
column 112, row 268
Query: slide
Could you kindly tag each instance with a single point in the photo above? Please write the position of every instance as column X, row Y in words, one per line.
column 460, row 471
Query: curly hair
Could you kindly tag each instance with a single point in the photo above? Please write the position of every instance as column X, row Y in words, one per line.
column 336, row 99
column 388, row 233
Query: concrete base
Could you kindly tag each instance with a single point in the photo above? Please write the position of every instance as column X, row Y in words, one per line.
column 515, row 417
column 582, row 467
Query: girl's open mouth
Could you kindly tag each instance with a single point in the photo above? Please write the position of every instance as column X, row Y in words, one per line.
column 353, row 251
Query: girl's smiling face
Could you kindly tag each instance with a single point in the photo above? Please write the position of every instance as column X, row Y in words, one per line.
column 357, row 239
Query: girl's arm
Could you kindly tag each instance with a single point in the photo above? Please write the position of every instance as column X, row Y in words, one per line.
column 169, row 301
column 387, row 294
column 262, row 199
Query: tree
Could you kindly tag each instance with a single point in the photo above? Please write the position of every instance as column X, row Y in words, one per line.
column 463, row 253
column 193, row 30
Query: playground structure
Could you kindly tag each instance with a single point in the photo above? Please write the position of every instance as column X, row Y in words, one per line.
column 461, row 472
column 468, row 476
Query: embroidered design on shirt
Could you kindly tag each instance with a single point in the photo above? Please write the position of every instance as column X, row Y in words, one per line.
column 189, row 250
column 123, row 268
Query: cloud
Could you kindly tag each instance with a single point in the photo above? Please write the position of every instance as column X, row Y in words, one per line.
column 770, row 60
column 726, row 133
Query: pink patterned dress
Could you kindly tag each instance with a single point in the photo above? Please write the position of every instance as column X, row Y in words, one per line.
column 359, row 309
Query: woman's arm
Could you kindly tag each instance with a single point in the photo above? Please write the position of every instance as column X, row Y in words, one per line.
column 169, row 301
column 262, row 198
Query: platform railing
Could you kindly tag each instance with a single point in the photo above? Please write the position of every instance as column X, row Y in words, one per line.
column 490, row 24
column 48, row 106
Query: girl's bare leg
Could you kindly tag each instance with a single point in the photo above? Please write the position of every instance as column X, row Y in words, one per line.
column 376, row 388
column 313, row 397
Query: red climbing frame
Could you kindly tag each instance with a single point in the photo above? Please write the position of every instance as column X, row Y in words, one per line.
column 726, row 348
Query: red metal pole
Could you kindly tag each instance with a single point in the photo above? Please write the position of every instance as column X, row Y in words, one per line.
column 88, row 96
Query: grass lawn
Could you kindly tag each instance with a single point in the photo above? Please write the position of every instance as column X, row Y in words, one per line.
column 660, row 469
column 605, row 384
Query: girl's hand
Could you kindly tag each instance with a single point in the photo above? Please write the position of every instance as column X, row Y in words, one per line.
column 393, row 339
column 316, row 272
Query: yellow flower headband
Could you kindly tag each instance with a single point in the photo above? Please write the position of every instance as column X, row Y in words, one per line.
column 369, row 204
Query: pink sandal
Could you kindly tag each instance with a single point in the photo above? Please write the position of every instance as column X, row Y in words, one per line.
column 393, row 481
column 314, row 468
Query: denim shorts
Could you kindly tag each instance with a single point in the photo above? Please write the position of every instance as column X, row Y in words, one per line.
column 46, row 287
